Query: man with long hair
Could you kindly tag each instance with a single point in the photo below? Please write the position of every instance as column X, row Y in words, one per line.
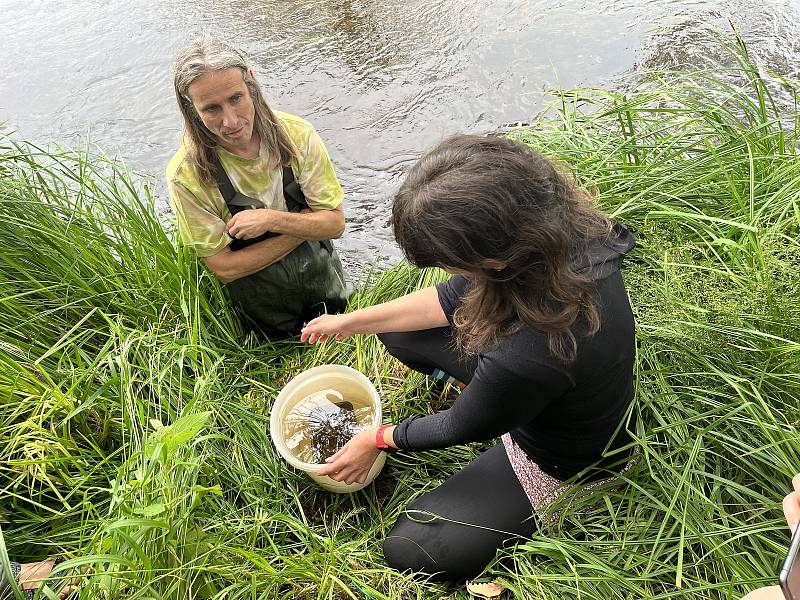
column 255, row 193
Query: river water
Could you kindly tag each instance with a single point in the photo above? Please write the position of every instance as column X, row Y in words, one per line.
column 381, row 81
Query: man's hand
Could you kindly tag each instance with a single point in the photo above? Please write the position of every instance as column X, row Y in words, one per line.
column 791, row 504
column 352, row 463
column 253, row 222
column 229, row 266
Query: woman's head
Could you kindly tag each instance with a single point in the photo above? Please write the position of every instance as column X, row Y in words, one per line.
column 498, row 210
column 208, row 55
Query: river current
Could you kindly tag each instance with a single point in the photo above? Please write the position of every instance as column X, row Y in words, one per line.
column 381, row 81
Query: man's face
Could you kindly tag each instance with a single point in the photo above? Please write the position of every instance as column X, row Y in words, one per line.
column 222, row 100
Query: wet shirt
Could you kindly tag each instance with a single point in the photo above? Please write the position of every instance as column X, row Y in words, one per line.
column 201, row 211
column 562, row 415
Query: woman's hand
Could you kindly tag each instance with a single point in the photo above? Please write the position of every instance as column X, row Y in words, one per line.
column 324, row 327
column 791, row 504
column 251, row 223
column 352, row 463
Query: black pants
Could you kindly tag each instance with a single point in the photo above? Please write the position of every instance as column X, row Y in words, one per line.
column 453, row 532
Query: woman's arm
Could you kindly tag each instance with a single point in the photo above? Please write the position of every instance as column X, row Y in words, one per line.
column 488, row 407
column 415, row 311
column 494, row 402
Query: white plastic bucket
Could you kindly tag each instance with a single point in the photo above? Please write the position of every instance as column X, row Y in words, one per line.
column 314, row 380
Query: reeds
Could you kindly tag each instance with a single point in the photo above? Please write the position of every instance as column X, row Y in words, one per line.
column 134, row 410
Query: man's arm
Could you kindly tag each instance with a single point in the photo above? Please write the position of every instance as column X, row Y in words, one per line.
column 228, row 265
column 293, row 227
column 309, row 225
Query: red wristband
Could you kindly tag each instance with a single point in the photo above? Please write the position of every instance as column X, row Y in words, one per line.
column 380, row 443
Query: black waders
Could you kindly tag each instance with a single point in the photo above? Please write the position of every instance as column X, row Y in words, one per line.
column 306, row 283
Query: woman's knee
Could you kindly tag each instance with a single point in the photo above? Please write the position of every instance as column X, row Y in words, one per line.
column 392, row 341
column 405, row 347
column 406, row 554
column 434, row 550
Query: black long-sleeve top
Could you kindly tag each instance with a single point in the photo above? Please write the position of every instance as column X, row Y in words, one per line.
column 562, row 415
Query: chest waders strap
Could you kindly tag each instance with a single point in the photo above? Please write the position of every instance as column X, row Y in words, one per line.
column 236, row 201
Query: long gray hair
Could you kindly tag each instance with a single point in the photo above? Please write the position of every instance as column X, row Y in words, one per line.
column 201, row 56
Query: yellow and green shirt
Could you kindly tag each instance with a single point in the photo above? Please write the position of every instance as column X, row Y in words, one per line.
column 201, row 210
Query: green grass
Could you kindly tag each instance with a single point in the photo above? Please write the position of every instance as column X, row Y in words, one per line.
column 134, row 411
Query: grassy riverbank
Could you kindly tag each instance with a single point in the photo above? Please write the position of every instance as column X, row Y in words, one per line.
column 134, row 416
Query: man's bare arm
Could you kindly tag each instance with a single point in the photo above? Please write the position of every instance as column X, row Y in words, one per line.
column 309, row 225
column 229, row 265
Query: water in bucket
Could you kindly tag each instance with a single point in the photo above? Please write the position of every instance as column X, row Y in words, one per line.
column 323, row 422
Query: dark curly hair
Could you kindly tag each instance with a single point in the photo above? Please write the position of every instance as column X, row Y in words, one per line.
column 516, row 224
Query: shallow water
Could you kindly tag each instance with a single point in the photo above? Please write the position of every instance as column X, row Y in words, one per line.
column 320, row 424
column 381, row 81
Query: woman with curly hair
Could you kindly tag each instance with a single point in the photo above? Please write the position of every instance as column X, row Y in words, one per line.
column 534, row 324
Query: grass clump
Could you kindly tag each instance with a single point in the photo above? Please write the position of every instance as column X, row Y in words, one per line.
column 134, row 409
